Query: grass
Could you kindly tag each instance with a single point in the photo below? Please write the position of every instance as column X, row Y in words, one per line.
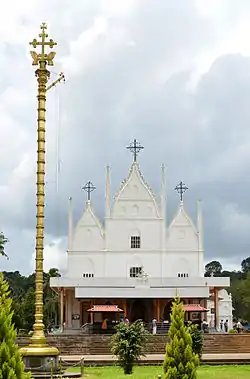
column 152, row 372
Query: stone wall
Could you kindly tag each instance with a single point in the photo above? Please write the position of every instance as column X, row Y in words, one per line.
column 100, row 344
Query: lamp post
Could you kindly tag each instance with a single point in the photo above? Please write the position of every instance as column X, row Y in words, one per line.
column 38, row 355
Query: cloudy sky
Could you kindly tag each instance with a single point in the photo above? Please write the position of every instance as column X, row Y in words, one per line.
column 173, row 74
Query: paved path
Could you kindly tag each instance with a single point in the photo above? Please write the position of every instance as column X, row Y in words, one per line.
column 155, row 357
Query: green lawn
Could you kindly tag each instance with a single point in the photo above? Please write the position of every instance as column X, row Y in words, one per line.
column 152, row 372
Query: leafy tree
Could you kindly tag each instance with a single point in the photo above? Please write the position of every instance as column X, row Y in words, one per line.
column 3, row 241
column 213, row 268
column 11, row 364
column 51, row 300
column 197, row 338
column 245, row 265
column 128, row 344
column 28, row 309
column 180, row 360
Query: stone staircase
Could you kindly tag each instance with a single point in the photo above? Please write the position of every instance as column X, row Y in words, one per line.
column 100, row 344
column 226, row 343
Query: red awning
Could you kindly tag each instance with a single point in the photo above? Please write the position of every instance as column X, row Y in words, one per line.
column 105, row 308
column 194, row 308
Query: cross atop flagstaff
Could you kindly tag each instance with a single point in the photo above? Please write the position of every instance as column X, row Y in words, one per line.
column 181, row 189
column 89, row 187
column 43, row 57
column 135, row 147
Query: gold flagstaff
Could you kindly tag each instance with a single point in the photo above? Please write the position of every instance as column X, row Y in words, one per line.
column 38, row 346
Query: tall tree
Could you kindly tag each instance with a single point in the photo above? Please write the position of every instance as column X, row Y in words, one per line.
column 3, row 241
column 180, row 360
column 11, row 364
column 213, row 268
column 245, row 265
column 28, row 309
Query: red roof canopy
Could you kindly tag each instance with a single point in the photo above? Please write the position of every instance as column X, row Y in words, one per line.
column 194, row 308
column 105, row 308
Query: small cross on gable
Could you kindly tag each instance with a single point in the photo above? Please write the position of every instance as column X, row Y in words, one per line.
column 181, row 189
column 135, row 147
column 89, row 187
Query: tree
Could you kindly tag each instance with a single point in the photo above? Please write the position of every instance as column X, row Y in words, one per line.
column 28, row 309
column 3, row 241
column 51, row 300
column 180, row 360
column 214, row 268
column 245, row 265
column 11, row 364
column 197, row 338
column 128, row 344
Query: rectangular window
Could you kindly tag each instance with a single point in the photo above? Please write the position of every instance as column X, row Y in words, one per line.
column 135, row 242
column 135, row 272
column 87, row 275
column 182, row 275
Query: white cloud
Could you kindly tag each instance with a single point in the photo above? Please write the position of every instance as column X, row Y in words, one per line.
column 54, row 256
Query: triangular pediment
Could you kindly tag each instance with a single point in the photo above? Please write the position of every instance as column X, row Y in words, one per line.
column 88, row 232
column 182, row 219
column 136, row 190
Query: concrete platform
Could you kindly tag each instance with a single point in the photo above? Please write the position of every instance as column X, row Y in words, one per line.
column 212, row 359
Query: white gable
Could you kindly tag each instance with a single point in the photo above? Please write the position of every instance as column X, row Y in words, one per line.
column 182, row 234
column 88, row 234
column 135, row 198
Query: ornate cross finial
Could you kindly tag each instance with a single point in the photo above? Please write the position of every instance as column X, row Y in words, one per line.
column 89, row 187
column 42, row 57
column 135, row 148
column 181, row 189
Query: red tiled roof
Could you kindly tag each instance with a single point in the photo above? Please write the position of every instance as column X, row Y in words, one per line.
column 105, row 308
column 194, row 308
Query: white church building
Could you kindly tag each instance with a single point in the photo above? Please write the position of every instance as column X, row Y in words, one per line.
column 134, row 261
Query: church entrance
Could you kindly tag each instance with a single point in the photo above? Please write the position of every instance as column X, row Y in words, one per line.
column 141, row 309
column 167, row 310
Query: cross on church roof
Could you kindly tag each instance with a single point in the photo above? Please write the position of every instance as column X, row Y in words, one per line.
column 89, row 187
column 181, row 189
column 135, row 148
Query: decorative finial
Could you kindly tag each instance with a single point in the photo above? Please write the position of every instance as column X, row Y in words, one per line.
column 42, row 57
column 181, row 189
column 135, row 148
column 89, row 187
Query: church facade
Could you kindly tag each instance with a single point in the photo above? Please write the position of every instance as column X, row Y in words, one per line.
column 135, row 259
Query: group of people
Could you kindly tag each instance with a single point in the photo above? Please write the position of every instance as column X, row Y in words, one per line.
column 224, row 326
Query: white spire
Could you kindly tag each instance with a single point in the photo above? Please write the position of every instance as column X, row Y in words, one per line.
column 200, row 225
column 70, row 224
column 107, row 194
column 200, row 238
column 163, row 192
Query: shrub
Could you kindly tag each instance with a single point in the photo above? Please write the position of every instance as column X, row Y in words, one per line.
column 232, row 331
column 180, row 360
column 11, row 364
column 128, row 344
column 197, row 339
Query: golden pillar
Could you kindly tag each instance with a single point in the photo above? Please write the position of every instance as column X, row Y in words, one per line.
column 38, row 346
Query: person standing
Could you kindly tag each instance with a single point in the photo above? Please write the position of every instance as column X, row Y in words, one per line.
column 221, row 325
column 226, row 326
column 238, row 326
column 154, row 325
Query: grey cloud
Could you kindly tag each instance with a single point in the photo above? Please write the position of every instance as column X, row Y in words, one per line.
column 121, row 98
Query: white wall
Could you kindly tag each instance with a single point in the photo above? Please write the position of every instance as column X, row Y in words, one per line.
column 82, row 262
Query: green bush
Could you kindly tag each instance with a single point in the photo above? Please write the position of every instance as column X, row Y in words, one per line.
column 11, row 364
column 197, row 338
column 180, row 360
column 232, row 331
column 128, row 344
